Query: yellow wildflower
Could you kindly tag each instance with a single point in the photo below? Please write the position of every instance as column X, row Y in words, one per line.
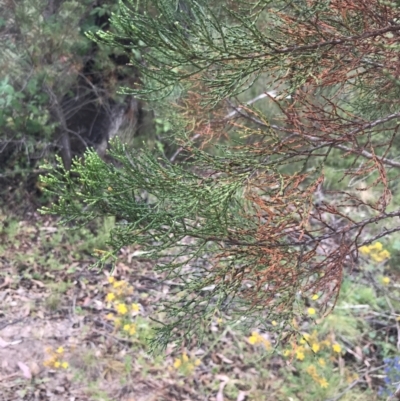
column 135, row 307
column 122, row 309
column 287, row 352
column 64, row 365
column 110, row 297
column 315, row 297
column 110, row 316
column 300, row 355
column 50, row 362
column 274, row 323
column 377, row 258
column 177, row 363
column 254, row 338
column 132, row 330
column 312, row 371
column 57, row 364
column 126, row 327
column 60, row 350
column 315, row 347
column 111, row 279
column 385, row 254
column 185, row 358
column 323, row 383
column 197, row 362
column 386, row 280
column 117, row 284
column 365, row 250
column 267, row 344
column 311, row 311
column 376, row 247
column 321, row 362
column 337, row 348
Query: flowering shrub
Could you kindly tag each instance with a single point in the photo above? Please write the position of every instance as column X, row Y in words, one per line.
column 315, row 357
column 117, row 297
column 377, row 254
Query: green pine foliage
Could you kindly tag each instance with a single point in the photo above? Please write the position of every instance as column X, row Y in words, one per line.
column 199, row 229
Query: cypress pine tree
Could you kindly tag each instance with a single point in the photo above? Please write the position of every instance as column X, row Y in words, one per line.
column 255, row 216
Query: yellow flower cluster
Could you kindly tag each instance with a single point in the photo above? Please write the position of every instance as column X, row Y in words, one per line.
column 375, row 252
column 130, row 329
column 257, row 338
column 311, row 345
column 312, row 371
column 116, row 297
column 55, row 359
column 122, row 309
column 306, row 351
column 186, row 364
column 120, row 288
